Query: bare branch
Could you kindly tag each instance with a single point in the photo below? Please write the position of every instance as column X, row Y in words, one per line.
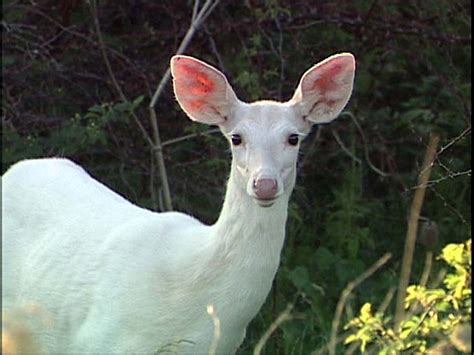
column 387, row 300
column 217, row 329
column 93, row 9
column 213, row 45
column 366, row 148
column 380, row 25
column 449, row 206
column 196, row 20
column 454, row 140
column 195, row 23
column 284, row 316
column 427, row 268
column 451, row 175
column 195, row 8
column 345, row 295
column 158, row 152
column 344, row 148
column 415, row 210
column 189, row 136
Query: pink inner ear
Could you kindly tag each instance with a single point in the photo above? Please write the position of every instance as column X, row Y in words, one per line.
column 196, row 105
column 327, row 72
column 204, row 86
column 194, row 81
column 200, row 83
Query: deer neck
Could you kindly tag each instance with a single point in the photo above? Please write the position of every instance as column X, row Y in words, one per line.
column 248, row 231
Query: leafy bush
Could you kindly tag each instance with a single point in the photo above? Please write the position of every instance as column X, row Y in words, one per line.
column 433, row 313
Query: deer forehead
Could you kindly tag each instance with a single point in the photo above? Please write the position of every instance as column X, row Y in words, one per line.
column 266, row 118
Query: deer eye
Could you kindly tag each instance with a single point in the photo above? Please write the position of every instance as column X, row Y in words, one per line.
column 293, row 139
column 236, row 139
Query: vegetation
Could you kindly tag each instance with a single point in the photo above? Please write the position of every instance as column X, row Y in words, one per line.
column 434, row 312
column 69, row 92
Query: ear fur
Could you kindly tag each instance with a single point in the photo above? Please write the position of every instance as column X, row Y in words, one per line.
column 325, row 88
column 201, row 90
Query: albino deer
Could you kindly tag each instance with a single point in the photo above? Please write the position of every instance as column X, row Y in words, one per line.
column 107, row 276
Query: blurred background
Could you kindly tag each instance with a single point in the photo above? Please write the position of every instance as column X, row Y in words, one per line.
column 78, row 77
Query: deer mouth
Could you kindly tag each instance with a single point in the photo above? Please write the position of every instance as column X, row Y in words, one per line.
column 265, row 202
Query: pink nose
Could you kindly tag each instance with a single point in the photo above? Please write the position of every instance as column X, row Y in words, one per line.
column 265, row 189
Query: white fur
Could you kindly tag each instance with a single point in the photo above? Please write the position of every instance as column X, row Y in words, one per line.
column 106, row 276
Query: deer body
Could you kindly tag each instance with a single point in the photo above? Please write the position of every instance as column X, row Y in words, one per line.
column 88, row 271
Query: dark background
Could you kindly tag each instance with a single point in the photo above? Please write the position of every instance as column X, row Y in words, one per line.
column 356, row 176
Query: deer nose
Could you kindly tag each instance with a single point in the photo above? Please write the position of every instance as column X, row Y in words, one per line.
column 265, row 188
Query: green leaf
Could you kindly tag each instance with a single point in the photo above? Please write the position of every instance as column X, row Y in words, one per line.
column 366, row 312
column 137, row 101
column 299, row 276
column 97, row 109
column 351, row 338
column 124, row 106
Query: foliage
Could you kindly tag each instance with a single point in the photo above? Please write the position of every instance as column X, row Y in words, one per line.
column 77, row 134
column 434, row 312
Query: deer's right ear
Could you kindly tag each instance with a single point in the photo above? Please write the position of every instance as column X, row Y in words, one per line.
column 325, row 88
column 201, row 90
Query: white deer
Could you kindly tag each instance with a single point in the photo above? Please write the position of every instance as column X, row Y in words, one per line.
column 111, row 277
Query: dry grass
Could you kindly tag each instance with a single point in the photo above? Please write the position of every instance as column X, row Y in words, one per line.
column 17, row 337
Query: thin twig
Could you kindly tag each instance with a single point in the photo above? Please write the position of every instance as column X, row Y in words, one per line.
column 217, row 329
column 427, row 268
column 69, row 30
column 438, row 279
column 415, row 210
column 213, row 46
column 195, row 8
column 189, row 136
column 379, row 25
column 160, row 160
column 344, row 148
column 449, row 206
column 152, row 182
column 415, row 308
column 352, row 348
column 453, row 175
column 345, row 295
column 195, row 24
column 282, row 59
column 366, row 148
column 454, row 140
column 284, row 316
column 387, row 300
column 324, row 349
column 197, row 19
column 93, row 9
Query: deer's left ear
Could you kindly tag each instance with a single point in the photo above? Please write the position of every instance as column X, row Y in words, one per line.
column 325, row 89
column 202, row 91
